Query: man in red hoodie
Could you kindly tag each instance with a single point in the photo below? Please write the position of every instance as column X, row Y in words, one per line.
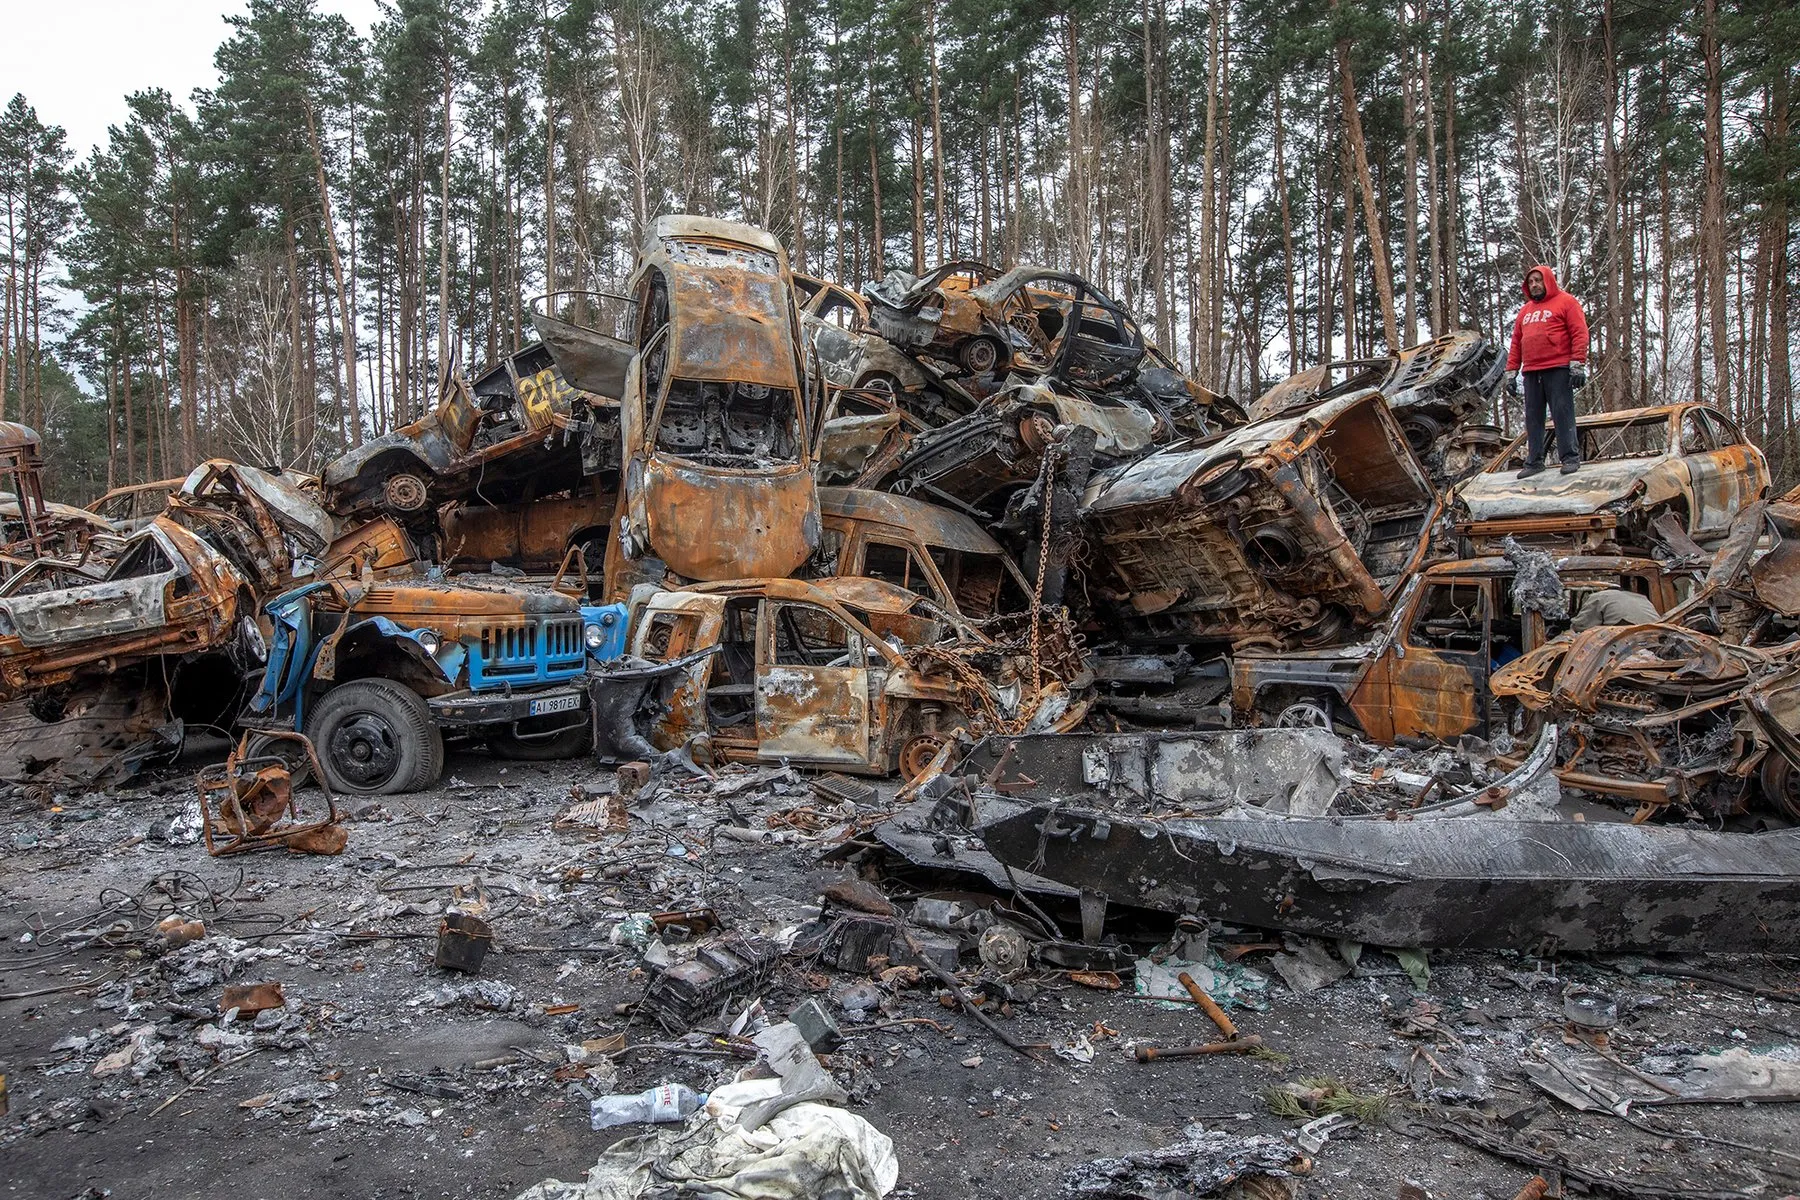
column 1550, row 344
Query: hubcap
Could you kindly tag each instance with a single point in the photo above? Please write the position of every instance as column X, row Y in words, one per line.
column 365, row 751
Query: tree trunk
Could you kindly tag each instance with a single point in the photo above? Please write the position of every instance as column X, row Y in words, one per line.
column 347, row 325
column 443, row 363
column 937, row 134
column 1384, row 282
column 1208, row 362
column 1712, row 234
column 1078, row 233
column 1410, row 197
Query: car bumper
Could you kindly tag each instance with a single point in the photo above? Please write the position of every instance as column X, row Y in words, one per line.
column 468, row 711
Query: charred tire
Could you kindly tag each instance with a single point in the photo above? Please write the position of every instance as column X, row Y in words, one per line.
column 1421, row 431
column 376, row 738
column 569, row 743
column 1780, row 785
column 980, row 355
column 261, row 745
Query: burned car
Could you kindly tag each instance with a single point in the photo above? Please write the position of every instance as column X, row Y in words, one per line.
column 934, row 552
column 185, row 583
column 1656, row 714
column 1687, row 463
column 852, row 674
column 514, row 428
column 1425, row 672
column 835, row 321
column 131, row 508
column 1030, row 319
column 1434, row 388
column 716, row 423
column 1287, row 531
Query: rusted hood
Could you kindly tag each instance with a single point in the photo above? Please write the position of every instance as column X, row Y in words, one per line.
column 725, row 523
column 1496, row 495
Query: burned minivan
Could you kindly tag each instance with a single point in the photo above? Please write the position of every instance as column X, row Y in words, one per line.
column 1288, row 531
column 716, row 478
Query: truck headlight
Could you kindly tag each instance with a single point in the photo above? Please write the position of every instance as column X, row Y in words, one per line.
column 429, row 640
column 594, row 636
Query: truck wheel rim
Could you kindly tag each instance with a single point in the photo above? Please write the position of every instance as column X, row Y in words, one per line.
column 365, row 751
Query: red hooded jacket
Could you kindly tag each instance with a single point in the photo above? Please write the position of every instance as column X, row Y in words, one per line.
column 1547, row 333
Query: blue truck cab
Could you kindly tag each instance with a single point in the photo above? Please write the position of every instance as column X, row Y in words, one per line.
column 377, row 673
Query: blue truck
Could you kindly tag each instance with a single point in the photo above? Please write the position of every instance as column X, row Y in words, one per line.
column 376, row 673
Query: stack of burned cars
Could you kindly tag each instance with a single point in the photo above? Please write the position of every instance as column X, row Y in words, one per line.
column 247, row 605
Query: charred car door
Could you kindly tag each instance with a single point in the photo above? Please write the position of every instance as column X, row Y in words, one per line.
column 1431, row 681
column 812, row 686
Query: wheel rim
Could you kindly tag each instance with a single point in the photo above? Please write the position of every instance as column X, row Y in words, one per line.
column 1781, row 785
column 980, row 356
column 405, row 493
column 1304, row 714
column 917, row 754
column 364, row 751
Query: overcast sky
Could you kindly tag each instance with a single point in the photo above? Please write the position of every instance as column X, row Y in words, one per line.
column 75, row 60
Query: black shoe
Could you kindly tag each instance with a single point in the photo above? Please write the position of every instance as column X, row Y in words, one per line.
column 1530, row 469
column 1570, row 468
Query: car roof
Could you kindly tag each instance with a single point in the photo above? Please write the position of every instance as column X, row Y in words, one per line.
column 932, row 524
column 683, row 225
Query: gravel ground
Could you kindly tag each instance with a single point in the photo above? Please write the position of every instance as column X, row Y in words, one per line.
column 386, row 1077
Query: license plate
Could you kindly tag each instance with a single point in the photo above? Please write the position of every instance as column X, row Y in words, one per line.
column 555, row 704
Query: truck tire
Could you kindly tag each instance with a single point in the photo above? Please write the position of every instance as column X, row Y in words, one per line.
column 375, row 737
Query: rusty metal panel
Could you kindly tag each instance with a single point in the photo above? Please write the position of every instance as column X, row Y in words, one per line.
column 712, row 523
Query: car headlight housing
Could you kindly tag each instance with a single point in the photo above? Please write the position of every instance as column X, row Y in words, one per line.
column 429, row 640
column 593, row 635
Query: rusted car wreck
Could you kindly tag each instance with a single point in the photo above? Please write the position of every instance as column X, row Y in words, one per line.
column 1287, row 531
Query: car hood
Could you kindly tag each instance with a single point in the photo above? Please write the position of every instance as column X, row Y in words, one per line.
column 1497, row 495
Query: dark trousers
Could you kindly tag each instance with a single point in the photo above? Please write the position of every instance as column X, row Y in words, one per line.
column 1550, row 389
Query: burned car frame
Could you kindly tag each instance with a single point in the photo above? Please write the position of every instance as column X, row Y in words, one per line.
column 507, row 431
column 1425, row 672
column 809, row 673
column 1689, row 462
column 1433, row 388
column 716, row 424
column 1291, row 530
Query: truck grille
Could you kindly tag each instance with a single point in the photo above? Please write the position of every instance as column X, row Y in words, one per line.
column 540, row 650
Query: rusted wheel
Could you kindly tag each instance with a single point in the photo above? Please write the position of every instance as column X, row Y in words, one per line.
column 917, row 754
column 1781, row 785
column 1037, row 431
column 404, row 493
column 979, row 355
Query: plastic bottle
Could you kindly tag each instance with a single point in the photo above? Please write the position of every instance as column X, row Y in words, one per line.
column 665, row 1103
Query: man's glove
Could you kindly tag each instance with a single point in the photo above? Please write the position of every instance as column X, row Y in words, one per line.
column 1512, row 383
column 1578, row 375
